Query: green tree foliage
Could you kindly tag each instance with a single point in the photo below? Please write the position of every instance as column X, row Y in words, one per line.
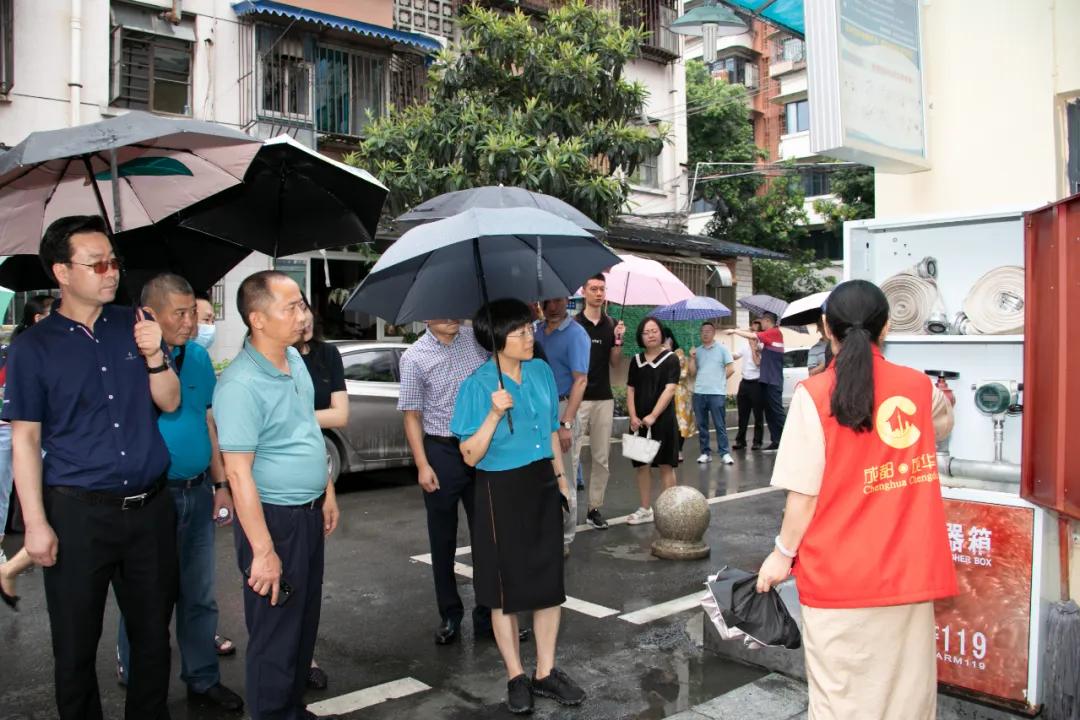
column 854, row 191
column 543, row 106
column 752, row 209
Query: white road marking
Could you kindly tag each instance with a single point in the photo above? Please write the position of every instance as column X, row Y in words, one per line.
column 426, row 557
column 663, row 610
column 621, row 520
column 367, row 697
column 582, row 606
column 743, row 494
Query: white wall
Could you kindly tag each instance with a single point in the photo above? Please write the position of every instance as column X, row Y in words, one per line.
column 994, row 80
column 667, row 102
column 39, row 100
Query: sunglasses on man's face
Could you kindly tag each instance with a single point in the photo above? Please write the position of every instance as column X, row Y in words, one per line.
column 101, row 266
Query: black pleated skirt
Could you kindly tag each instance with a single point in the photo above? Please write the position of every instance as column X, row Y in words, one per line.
column 517, row 539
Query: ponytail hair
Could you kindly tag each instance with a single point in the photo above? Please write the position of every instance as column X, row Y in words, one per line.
column 857, row 312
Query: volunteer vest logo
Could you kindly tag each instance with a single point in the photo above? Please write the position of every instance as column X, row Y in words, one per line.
column 895, row 422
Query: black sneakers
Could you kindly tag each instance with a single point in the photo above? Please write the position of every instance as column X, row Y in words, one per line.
column 519, row 695
column 597, row 520
column 772, row 447
column 559, row 687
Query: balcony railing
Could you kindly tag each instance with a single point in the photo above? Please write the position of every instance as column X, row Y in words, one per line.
column 791, row 50
column 656, row 16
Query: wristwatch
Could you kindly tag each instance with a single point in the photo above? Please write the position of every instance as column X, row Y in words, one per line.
column 160, row 368
column 566, row 425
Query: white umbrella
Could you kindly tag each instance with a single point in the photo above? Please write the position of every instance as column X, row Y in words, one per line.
column 805, row 311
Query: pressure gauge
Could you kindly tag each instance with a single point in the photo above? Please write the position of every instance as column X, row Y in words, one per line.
column 996, row 397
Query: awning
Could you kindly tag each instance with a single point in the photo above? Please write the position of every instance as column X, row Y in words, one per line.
column 634, row 238
column 283, row 10
column 788, row 14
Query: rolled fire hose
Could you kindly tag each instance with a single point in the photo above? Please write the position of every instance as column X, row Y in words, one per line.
column 995, row 304
column 915, row 304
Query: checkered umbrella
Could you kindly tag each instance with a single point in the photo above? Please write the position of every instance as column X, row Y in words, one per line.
column 695, row 308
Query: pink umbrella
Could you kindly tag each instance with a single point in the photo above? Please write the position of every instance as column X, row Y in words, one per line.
column 639, row 281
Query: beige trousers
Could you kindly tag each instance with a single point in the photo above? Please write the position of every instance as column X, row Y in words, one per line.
column 871, row 663
column 595, row 418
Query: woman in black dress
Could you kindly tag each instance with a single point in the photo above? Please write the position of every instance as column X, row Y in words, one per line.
column 323, row 362
column 650, row 394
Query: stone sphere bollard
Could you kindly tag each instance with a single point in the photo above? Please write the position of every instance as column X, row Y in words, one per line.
column 681, row 515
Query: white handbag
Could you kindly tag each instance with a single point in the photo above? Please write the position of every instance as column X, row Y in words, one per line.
column 641, row 449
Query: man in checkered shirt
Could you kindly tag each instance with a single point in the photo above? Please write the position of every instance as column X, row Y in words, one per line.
column 432, row 371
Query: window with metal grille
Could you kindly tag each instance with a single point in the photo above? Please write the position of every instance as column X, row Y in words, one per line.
column 7, row 46
column 284, row 81
column 647, row 173
column 408, row 79
column 351, row 91
column 150, row 72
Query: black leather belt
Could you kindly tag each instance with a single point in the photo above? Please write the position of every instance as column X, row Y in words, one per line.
column 451, row 440
column 129, row 502
column 189, row 483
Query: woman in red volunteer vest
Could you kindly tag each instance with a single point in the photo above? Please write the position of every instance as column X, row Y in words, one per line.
column 864, row 526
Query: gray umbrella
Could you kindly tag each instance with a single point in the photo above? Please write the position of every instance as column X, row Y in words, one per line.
column 449, row 268
column 163, row 164
column 761, row 304
column 524, row 253
column 495, row 196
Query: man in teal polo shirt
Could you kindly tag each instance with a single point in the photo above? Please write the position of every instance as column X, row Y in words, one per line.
column 195, row 481
column 275, row 463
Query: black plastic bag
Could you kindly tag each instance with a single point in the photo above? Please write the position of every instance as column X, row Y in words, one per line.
column 762, row 616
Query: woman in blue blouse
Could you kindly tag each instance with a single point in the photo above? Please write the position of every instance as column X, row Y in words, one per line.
column 520, row 496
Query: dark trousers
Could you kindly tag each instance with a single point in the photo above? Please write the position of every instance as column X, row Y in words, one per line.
column 196, row 608
column 281, row 638
column 774, row 410
column 135, row 551
column 750, row 399
column 457, row 484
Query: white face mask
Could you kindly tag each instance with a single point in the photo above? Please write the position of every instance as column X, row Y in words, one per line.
column 205, row 336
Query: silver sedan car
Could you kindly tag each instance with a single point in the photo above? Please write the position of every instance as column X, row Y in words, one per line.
column 375, row 436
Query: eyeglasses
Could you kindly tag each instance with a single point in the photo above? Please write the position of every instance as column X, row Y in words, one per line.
column 520, row 334
column 101, row 266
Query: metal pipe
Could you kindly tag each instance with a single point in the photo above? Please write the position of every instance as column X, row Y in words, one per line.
column 75, row 79
column 999, row 440
column 1001, row 472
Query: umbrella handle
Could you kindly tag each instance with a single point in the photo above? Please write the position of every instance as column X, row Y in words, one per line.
column 491, row 326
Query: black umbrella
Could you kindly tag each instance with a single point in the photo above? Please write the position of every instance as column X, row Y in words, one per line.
column 293, row 200
column 200, row 259
column 449, row 268
column 495, row 196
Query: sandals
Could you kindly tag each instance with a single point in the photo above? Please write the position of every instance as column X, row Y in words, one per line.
column 224, row 645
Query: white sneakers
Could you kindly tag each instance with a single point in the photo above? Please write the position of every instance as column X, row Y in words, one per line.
column 640, row 516
column 725, row 458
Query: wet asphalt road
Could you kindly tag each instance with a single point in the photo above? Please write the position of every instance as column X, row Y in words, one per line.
column 378, row 611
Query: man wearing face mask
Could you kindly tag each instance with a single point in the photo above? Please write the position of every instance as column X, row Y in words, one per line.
column 204, row 330
column 196, row 483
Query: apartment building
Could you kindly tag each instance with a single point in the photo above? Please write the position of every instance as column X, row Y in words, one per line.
column 771, row 63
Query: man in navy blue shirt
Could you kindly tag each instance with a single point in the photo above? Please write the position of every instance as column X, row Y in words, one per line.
column 86, row 385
